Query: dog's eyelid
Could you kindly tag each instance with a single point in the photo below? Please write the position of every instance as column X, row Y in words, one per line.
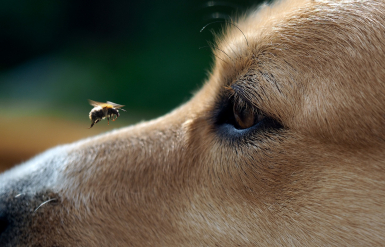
column 240, row 101
column 241, row 93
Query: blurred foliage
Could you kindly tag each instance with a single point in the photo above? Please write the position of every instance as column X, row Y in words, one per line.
column 143, row 54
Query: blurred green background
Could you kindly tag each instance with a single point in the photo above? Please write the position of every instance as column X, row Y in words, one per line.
column 57, row 54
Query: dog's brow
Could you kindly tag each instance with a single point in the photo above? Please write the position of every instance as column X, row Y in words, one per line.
column 257, row 87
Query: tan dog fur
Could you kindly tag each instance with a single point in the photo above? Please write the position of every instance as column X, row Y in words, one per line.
column 317, row 67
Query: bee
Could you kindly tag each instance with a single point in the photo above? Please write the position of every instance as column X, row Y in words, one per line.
column 103, row 110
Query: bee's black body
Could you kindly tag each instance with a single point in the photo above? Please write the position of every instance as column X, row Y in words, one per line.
column 103, row 110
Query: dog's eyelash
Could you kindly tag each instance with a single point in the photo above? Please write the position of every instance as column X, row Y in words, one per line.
column 241, row 101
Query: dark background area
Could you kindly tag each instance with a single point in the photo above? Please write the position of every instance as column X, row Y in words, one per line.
column 57, row 54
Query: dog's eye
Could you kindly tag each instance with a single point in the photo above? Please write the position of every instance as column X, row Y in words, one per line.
column 237, row 117
column 245, row 116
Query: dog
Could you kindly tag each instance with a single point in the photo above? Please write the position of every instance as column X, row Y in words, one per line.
column 283, row 146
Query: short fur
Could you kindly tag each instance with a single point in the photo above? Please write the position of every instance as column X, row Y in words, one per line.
column 316, row 67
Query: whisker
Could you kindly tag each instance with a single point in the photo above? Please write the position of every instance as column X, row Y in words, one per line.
column 215, row 47
column 221, row 59
column 229, row 22
column 18, row 195
column 50, row 200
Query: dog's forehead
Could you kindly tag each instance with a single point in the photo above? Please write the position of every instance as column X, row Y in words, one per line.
column 291, row 26
column 248, row 41
column 257, row 28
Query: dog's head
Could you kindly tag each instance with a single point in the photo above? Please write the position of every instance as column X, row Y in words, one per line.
column 283, row 145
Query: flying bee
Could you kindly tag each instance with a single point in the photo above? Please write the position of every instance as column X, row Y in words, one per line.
column 104, row 110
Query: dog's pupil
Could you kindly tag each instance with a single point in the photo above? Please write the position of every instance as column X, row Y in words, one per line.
column 244, row 116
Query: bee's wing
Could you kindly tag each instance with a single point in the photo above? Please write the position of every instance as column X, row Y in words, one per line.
column 114, row 105
column 95, row 103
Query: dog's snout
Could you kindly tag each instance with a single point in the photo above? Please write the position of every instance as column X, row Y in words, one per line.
column 26, row 200
column 21, row 211
column 13, row 212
